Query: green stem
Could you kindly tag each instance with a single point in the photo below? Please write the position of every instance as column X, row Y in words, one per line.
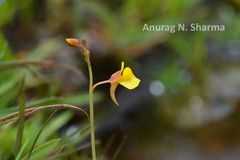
column 21, row 102
column 87, row 59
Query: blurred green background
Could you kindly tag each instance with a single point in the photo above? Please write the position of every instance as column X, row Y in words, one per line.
column 186, row 106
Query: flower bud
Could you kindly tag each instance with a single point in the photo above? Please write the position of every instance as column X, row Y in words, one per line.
column 73, row 42
column 84, row 42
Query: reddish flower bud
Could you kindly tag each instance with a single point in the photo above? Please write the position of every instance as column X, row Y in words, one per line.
column 73, row 42
column 84, row 42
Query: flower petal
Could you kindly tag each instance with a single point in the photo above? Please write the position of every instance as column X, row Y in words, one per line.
column 115, row 76
column 128, row 79
column 112, row 92
column 122, row 66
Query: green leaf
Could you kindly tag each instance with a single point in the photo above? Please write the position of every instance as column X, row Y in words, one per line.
column 54, row 125
column 8, row 90
column 30, row 111
column 45, row 50
column 78, row 99
column 21, row 151
column 2, row 2
column 9, row 7
column 44, row 150
column 7, row 11
column 3, row 50
column 21, row 102
column 8, row 85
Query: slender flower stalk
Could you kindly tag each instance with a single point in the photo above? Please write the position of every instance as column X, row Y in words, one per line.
column 75, row 43
column 91, row 106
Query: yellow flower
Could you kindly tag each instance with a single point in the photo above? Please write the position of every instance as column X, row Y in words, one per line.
column 124, row 77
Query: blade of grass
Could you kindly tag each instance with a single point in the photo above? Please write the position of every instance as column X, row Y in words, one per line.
column 82, row 147
column 54, row 125
column 2, row 2
column 119, row 148
column 80, row 99
column 108, row 145
column 35, row 141
column 44, row 150
column 53, row 156
column 21, row 151
column 84, row 132
column 9, row 84
column 79, row 130
column 21, row 102
column 44, row 64
column 40, row 76
column 30, row 111
column 3, row 50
